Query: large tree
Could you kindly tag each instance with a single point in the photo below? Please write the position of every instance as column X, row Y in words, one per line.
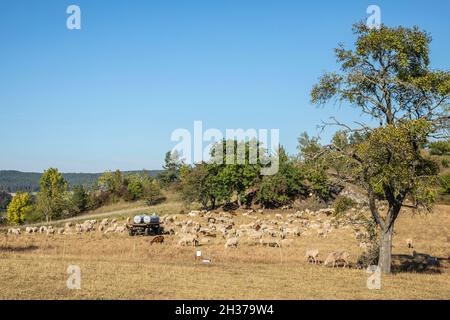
column 387, row 77
column 51, row 199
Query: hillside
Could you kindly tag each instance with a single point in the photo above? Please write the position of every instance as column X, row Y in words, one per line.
column 13, row 181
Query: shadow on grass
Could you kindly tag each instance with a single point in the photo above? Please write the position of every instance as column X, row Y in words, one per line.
column 418, row 263
column 8, row 248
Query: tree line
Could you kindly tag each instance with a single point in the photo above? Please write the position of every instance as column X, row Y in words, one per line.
column 12, row 181
column 54, row 200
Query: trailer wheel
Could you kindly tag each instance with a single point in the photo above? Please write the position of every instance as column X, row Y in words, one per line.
column 131, row 232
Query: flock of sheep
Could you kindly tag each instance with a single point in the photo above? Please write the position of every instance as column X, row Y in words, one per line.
column 204, row 227
column 105, row 226
column 201, row 227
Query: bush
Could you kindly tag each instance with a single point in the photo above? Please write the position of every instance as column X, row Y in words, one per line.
column 153, row 194
column 273, row 192
column 19, row 208
column 445, row 183
column 342, row 204
column 440, row 148
column 370, row 257
column 445, row 163
column 98, row 199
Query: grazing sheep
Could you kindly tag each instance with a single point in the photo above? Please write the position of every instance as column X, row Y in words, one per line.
column 338, row 256
column 193, row 213
column 270, row 243
column 28, row 230
column 111, row 229
column 188, row 240
column 78, row 228
column 232, row 243
column 14, row 231
column 113, row 221
column 312, row 256
column 157, row 239
column 205, row 241
column 121, row 229
column 278, row 216
column 50, row 231
column 128, row 220
column 409, row 243
column 68, row 225
column 61, row 230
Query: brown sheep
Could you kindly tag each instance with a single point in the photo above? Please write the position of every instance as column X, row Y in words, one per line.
column 157, row 239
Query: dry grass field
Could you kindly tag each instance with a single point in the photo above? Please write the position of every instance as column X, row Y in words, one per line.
column 117, row 266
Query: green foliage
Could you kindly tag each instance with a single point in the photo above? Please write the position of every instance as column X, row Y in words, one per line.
column 79, row 199
column 14, row 181
column 97, row 199
column 52, row 200
column 387, row 76
column 5, row 200
column 171, row 173
column 391, row 160
column 308, row 147
column 152, row 192
column 135, row 188
column 111, row 182
column 370, row 257
column 196, row 185
column 283, row 187
column 445, row 163
column 440, row 148
column 343, row 204
column 19, row 208
column 445, row 183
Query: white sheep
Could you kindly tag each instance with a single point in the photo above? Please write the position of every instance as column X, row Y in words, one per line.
column 188, row 240
column 14, row 231
column 111, row 228
column 232, row 243
column 312, row 255
column 121, row 229
column 335, row 257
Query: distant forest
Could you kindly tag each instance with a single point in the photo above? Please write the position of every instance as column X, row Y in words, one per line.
column 13, row 181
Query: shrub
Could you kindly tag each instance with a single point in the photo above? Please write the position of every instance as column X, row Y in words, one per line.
column 153, row 194
column 19, row 208
column 370, row 256
column 98, row 199
column 440, row 148
column 342, row 204
column 445, row 183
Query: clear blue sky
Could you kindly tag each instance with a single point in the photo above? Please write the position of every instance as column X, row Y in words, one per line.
column 109, row 95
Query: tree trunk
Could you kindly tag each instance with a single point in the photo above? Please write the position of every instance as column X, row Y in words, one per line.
column 385, row 259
